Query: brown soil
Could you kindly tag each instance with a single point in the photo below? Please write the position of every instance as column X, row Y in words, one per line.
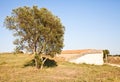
column 68, row 54
column 84, row 51
column 114, row 59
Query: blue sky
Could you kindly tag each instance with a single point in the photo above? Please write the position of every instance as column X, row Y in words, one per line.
column 89, row 24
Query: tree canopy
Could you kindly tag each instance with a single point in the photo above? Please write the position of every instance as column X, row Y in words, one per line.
column 105, row 55
column 37, row 31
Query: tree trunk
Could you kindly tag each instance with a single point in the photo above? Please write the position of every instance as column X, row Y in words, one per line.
column 37, row 59
column 106, row 58
column 42, row 63
column 37, row 63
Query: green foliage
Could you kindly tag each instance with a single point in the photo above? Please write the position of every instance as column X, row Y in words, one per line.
column 37, row 30
column 105, row 55
column 38, row 61
column 17, row 50
column 105, row 52
column 30, row 63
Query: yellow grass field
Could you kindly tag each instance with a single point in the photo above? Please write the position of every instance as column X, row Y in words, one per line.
column 12, row 69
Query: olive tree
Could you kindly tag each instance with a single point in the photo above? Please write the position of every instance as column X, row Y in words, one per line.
column 36, row 30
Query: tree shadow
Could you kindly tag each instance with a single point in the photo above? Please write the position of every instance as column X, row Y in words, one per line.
column 30, row 63
column 48, row 63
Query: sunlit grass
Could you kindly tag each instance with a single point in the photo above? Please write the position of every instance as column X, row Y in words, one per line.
column 12, row 70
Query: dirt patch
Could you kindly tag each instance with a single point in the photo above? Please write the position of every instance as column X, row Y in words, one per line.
column 114, row 60
column 84, row 51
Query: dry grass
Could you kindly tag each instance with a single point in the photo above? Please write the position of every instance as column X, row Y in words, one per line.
column 12, row 70
column 114, row 59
